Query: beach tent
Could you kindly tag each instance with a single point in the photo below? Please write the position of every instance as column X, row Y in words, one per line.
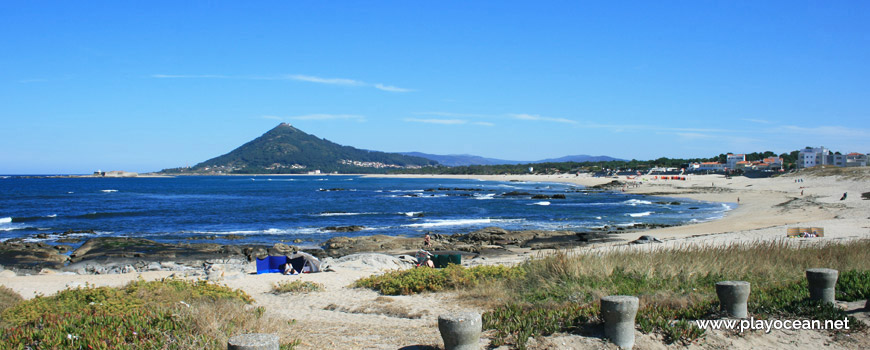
column 301, row 259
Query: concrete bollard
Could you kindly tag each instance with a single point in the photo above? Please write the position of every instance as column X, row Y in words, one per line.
column 253, row 341
column 822, row 283
column 733, row 296
column 618, row 312
column 461, row 330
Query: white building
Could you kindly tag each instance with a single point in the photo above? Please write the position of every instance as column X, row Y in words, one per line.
column 732, row 159
column 709, row 166
column 810, row 157
column 856, row 159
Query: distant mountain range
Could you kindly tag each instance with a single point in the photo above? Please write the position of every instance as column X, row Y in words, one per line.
column 288, row 150
column 467, row 159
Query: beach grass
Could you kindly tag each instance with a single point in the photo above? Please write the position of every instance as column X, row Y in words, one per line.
column 8, row 298
column 170, row 313
column 297, row 287
column 559, row 292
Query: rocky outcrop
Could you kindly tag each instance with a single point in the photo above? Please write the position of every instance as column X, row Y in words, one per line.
column 30, row 256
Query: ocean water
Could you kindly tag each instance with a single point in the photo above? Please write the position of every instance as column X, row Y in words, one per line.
column 270, row 209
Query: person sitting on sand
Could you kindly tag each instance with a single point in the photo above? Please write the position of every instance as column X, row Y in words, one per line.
column 289, row 270
column 427, row 241
column 424, row 258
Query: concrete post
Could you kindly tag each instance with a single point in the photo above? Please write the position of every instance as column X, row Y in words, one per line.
column 822, row 283
column 461, row 330
column 254, row 341
column 618, row 312
column 733, row 296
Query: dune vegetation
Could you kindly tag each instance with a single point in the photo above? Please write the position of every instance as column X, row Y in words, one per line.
column 560, row 292
column 167, row 314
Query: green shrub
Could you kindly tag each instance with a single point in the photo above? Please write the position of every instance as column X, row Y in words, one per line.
column 515, row 323
column 420, row 280
column 164, row 314
column 853, row 285
column 297, row 286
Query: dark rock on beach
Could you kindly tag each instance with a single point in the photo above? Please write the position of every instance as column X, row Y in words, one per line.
column 516, row 193
column 352, row 228
column 30, row 257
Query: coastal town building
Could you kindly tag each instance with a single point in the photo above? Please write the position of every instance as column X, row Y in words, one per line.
column 810, row 157
column 115, row 173
column 708, row 166
column 856, row 159
column 731, row 160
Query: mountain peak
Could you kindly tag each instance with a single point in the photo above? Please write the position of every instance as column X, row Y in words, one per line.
column 286, row 149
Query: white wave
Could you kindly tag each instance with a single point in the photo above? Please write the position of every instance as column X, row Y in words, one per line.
column 345, row 214
column 726, row 206
column 541, row 203
column 269, row 231
column 636, row 202
column 485, row 196
column 637, row 215
column 70, row 192
column 379, row 191
column 628, row 224
column 459, row 222
column 412, row 213
column 5, row 220
column 108, row 191
column 412, row 191
column 598, row 217
column 51, row 216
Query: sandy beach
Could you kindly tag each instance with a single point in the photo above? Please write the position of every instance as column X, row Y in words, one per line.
column 343, row 317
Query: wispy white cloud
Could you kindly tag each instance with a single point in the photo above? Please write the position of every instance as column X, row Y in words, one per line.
column 437, row 121
column 757, row 121
column 190, row 76
column 693, row 136
column 484, row 123
column 319, row 117
column 294, row 77
column 330, row 81
column 827, row 131
column 455, row 115
column 391, row 88
column 540, row 118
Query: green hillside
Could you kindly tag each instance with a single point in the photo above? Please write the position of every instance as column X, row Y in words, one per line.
column 287, row 150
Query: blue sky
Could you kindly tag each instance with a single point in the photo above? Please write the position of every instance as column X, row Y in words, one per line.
column 142, row 86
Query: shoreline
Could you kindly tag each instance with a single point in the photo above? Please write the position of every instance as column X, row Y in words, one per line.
column 747, row 215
